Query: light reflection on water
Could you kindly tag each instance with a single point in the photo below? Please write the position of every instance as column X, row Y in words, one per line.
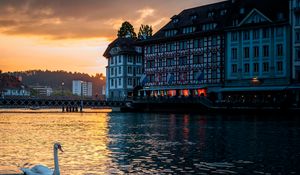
column 118, row 143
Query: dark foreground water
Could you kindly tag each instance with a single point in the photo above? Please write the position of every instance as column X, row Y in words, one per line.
column 118, row 143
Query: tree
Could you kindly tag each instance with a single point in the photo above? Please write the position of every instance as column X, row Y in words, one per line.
column 145, row 32
column 126, row 30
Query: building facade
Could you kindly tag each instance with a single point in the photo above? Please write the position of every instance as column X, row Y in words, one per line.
column 82, row 88
column 186, row 57
column 258, row 54
column 124, row 69
column 295, row 24
column 43, row 90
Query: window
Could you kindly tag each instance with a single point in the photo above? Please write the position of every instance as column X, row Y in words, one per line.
column 256, row 51
column 112, row 71
column 246, row 52
column 279, row 50
column 130, row 59
column 120, row 70
column 198, row 43
column 279, row 66
column 193, row 17
column 112, row 82
column 129, row 71
column 297, row 20
column 234, row 36
column 182, row 61
column 112, row 60
column 279, row 32
column 297, row 53
column 170, row 33
column 266, row 33
column 198, row 59
column 120, row 83
column 256, row 34
column 246, row 68
column 152, row 78
column 129, row 83
column 234, row 53
column 150, row 64
column 188, row 30
column 223, row 12
column 182, row 45
column 265, row 51
column 297, row 37
column 246, row 35
column 175, row 20
column 120, row 59
column 209, row 26
column 256, row 67
column 170, row 61
column 265, row 67
column 210, row 14
column 234, row 68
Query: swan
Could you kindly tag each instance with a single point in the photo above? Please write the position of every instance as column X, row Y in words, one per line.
column 43, row 170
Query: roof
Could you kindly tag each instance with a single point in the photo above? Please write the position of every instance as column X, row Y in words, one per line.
column 201, row 14
column 125, row 45
column 269, row 8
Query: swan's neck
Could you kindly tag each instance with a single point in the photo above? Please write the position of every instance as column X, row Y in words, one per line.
column 56, row 165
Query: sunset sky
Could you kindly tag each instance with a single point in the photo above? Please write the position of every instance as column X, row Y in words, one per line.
column 72, row 35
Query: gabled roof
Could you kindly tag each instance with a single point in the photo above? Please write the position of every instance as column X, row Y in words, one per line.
column 255, row 14
column 269, row 9
column 124, row 45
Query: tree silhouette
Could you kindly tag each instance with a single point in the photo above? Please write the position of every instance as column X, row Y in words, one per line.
column 145, row 32
column 126, row 30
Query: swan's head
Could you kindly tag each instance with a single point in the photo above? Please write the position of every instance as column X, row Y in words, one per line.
column 58, row 146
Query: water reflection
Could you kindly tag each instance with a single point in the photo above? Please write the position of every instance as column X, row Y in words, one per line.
column 193, row 144
column 118, row 143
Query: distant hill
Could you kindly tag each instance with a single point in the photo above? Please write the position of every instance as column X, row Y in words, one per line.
column 54, row 79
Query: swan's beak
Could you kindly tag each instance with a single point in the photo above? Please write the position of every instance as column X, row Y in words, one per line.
column 60, row 148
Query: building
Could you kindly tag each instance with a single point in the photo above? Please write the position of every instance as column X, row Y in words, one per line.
column 295, row 24
column 246, row 49
column 186, row 57
column 12, row 86
column 124, row 69
column 82, row 88
column 42, row 90
column 258, row 55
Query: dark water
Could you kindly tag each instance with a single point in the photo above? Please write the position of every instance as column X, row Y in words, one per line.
column 197, row 144
column 125, row 143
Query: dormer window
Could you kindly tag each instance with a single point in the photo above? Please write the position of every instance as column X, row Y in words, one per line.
column 223, row 12
column 175, row 20
column 193, row 17
column 170, row 33
column 187, row 30
column 235, row 22
column 209, row 26
column 210, row 14
column 242, row 11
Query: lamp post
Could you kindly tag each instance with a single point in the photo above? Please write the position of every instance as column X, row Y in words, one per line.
column 62, row 95
column 81, row 93
column 62, row 89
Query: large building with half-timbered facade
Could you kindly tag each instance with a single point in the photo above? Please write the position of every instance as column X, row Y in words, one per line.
column 186, row 56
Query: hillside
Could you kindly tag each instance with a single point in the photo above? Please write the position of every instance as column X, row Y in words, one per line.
column 54, row 79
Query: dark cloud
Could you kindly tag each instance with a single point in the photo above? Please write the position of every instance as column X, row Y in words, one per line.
column 60, row 19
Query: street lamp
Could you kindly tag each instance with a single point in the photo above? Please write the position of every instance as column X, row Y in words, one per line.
column 62, row 89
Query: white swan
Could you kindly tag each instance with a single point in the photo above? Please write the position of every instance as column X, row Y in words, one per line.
column 43, row 170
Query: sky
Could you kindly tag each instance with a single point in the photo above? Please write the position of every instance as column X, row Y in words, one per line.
column 72, row 35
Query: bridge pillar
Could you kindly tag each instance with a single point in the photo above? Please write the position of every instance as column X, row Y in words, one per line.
column 63, row 108
column 81, row 106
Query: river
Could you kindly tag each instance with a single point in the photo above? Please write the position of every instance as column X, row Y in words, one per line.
column 140, row 143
